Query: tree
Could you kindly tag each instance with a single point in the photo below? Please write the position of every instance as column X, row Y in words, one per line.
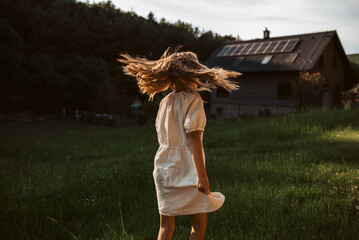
column 11, row 58
column 60, row 52
column 151, row 17
column 111, row 98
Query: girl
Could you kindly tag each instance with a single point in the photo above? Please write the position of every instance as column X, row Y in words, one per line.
column 180, row 176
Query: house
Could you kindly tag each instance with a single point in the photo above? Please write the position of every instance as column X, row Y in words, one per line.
column 270, row 65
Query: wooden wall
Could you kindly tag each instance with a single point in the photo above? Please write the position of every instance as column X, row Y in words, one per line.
column 257, row 91
column 334, row 73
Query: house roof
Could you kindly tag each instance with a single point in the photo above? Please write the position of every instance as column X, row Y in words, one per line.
column 287, row 53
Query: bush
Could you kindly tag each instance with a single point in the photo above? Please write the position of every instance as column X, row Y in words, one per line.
column 350, row 97
column 308, row 90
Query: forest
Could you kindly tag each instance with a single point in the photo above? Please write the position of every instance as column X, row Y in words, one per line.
column 63, row 53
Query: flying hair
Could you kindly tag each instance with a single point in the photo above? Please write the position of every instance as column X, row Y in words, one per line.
column 173, row 67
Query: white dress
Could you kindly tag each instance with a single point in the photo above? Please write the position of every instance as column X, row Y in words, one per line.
column 174, row 173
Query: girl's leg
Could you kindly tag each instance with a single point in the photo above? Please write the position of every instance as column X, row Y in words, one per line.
column 199, row 225
column 167, row 227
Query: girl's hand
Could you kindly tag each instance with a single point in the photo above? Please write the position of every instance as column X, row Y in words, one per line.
column 203, row 184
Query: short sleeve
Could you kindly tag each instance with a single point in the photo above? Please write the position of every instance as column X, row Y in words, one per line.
column 158, row 114
column 195, row 119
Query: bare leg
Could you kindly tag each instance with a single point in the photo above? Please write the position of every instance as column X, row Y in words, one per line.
column 167, row 227
column 199, row 225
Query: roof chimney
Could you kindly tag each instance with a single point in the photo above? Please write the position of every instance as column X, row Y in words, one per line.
column 266, row 33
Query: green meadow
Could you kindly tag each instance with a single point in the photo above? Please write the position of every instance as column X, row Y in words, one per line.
column 284, row 177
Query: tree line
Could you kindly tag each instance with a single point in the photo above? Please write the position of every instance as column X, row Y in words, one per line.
column 56, row 53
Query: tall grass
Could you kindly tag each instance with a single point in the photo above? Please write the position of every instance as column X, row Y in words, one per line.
column 285, row 177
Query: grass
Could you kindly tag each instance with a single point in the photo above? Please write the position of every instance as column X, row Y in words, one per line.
column 285, row 177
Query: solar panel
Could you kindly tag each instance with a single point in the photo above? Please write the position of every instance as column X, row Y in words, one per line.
column 285, row 45
column 254, row 48
column 262, row 47
column 239, row 49
column 233, row 50
column 257, row 48
column 238, row 61
column 245, row 49
column 271, row 47
column 291, row 57
column 290, row 46
column 224, row 50
column 230, row 50
column 280, row 46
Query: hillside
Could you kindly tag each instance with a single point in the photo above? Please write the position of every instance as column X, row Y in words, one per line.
column 62, row 53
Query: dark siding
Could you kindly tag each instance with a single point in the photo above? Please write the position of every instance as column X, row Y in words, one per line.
column 334, row 77
column 259, row 89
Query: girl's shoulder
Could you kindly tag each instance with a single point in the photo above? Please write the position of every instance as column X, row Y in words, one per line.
column 187, row 98
column 184, row 94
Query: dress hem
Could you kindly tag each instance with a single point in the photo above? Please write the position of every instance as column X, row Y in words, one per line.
column 191, row 212
column 188, row 213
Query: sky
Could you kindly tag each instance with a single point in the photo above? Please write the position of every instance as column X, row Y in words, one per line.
column 248, row 18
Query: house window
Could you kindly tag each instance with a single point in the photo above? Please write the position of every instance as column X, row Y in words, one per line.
column 219, row 111
column 283, row 90
column 334, row 62
column 221, row 92
column 237, row 62
column 321, row 61
column 291, row 57
column 266, row 59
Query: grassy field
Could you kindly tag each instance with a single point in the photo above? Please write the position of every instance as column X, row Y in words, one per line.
column 286, row 177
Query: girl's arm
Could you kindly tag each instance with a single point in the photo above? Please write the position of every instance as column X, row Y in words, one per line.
column 195, row 142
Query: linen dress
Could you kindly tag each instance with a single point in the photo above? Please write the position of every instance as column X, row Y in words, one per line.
column 174, row 171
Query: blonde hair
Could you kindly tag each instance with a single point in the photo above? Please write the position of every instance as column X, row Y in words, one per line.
column 155, row 76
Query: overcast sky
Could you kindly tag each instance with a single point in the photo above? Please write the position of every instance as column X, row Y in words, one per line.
column 248, row 18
